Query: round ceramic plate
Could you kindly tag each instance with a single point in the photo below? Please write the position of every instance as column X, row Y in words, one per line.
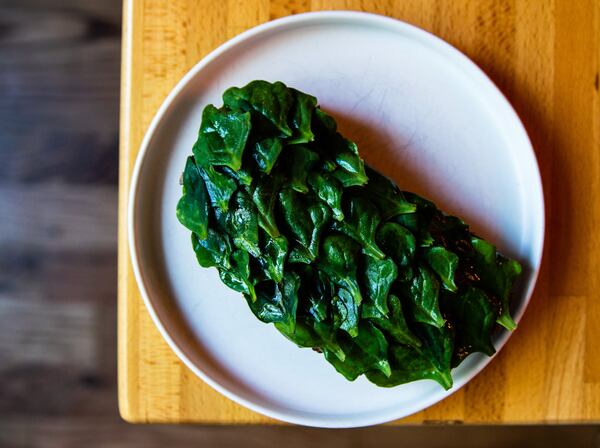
column 421, row 113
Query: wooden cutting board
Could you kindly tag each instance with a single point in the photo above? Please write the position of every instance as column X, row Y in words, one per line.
column 544, row 55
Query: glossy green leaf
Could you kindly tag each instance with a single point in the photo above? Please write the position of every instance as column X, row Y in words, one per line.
column 272, row 258
column 497, row 274
column 277, row 302
column 305, row 221
column 266, row 153
column 443, row 263
column 387, row 196
column 301, row 162
column 379, row 274
column 432, row 227
column 243, row 176
column 319, row 293
column 368, row 351
column 397, row 242
column 264, row 196
column 360, row 223
column 214, row 250
column 329, row 190
column 192, row 208
column 320, row 337
column 339, row 261
column 329, row 340
column 220, row 187
column 423, row 295
column 437, row 346
column 237, row 276
column 351, row 172
column 349, row 168
column 346, row 311
column 301, row 117
column 474, row 318
column 272, row 100
column 243, row 224
column 222, row 137
column 409, row 364
column 301, row 334
column 299, row 254
column 395, row 324
column 325, row 121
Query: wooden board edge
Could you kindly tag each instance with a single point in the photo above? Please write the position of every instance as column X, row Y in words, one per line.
column 126, row 403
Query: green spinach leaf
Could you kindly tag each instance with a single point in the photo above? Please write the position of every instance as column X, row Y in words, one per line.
column 301, row 161
column 387, row 196
column 266, row 153
column 272, row 100
column 192, row 208
column 443, row 263
column 319, row 293
column 437, row 347
column 220, row 187
column 237, row 276
column 395, row 324
column 277, row 302
column 264, row 195
column 365, row 352
column 339, row 262
column 222, row 137
column 400, row 245
column 497, row 274
column 306, row 222
column 423, row 294
column 346, row 311
column 214, row 250
column 329, row 190
column 302, row 113
column 360, row 223
column 243, row 224
column 273, row 255
column 474, row 318
column 409, row 364
column 378, row 278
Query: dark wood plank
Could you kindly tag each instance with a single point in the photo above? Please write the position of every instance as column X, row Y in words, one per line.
column 34, row 332
column 58, row 357
column 97, row 432
column 58, row 275
column 58, row 217
column 106, row 9
column 59, row 87
column 59, row 92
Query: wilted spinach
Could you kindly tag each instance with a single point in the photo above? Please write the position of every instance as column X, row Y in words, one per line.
column 360, row 223
column 379, row 275
column 192, row 209
column 423, row 296
column 333, row 253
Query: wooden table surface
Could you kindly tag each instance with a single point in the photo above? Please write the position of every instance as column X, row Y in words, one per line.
column 544, row 55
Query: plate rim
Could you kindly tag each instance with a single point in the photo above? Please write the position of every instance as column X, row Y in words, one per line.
column 445, row 49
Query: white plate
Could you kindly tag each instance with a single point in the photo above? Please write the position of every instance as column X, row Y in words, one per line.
column 421, row 112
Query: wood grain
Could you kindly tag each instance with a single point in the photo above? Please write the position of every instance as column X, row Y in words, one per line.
column 544, row 55
column 59, row 79
column 58, row 72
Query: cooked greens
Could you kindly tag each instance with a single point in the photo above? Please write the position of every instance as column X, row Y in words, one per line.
column 333, row 253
